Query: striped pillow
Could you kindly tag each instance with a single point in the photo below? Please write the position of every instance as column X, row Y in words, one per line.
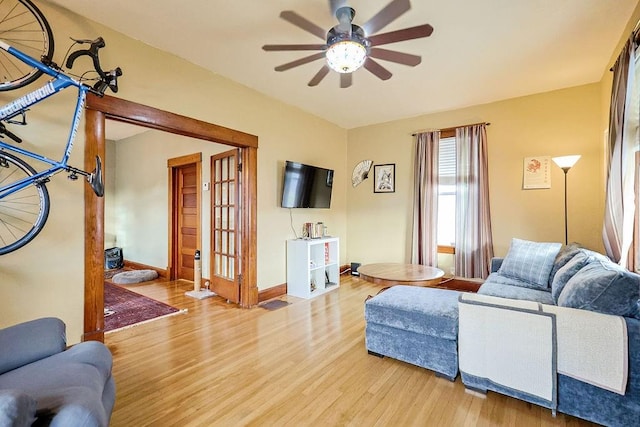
column 530, row 262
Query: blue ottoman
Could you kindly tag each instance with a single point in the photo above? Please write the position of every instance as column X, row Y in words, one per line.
column 416, row 325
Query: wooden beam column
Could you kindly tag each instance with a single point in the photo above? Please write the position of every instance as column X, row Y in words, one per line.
column 94, row 232
column 249, row 286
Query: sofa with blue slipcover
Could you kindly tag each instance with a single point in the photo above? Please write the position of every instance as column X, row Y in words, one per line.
column 45, row 384
column 420, row 325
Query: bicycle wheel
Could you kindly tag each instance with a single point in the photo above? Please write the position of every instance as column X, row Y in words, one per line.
column 24, row 27
column 23, row 213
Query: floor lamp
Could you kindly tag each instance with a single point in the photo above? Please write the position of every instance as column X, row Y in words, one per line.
column 565, row 163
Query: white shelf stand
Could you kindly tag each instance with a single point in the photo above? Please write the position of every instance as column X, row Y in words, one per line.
column 313, row 266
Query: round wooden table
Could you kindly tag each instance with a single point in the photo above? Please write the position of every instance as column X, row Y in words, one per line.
column 389, row 274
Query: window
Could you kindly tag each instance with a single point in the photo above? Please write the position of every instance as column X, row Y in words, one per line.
column 445, row 160
column 447, row 189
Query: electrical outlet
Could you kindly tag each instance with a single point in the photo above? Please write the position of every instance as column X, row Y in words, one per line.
column 206, row 186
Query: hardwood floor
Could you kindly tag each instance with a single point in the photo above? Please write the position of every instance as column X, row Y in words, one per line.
column 303, row 364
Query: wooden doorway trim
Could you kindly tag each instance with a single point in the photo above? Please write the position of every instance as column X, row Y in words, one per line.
column 107, row 107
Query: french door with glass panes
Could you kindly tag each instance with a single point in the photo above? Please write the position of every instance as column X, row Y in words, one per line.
column 225, row 206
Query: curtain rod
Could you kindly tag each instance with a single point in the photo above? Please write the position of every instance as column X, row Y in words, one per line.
column 452, row 128
column 636, row 39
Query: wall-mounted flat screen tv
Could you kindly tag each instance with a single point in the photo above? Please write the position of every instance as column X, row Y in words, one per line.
column 306, row 186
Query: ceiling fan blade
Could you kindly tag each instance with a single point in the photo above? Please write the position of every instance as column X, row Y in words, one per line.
column 394, row 56
column 388, row 14
column 300, row 22
column 376, row 69
column 346, row 79
column 300, row 61
column 282, row 47
column 319, row 76
column 402, row 35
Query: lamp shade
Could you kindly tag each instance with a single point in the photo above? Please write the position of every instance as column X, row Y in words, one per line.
column 566, row 162
column 346, row 56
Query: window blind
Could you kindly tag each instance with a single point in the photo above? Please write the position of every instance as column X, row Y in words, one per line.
column 447, row 161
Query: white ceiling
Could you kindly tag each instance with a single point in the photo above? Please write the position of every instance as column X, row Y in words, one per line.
column 479, row 52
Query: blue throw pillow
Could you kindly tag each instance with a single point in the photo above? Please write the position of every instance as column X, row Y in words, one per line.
column 604, row 287
column 530, row 262
column 566, row 272
column 565, row 255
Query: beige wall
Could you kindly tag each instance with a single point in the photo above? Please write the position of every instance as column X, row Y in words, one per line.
column 110, row 195
column 570, row 121
column 549, row 124
column 140, row 201
column 46, row 278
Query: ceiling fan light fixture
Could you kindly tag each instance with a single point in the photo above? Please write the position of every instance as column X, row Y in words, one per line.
column 346, row 56
column 348, row 46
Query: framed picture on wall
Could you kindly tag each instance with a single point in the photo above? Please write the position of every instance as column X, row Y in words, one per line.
column 536, row 173
column 384, row 178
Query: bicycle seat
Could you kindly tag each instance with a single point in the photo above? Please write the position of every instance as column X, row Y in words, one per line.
column 95, row 178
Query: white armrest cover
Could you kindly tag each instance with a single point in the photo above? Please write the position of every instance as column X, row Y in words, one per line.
column 509, row 342
column 504, row 335
column 592, row 347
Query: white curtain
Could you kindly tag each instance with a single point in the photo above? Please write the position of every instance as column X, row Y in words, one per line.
column 424, row 248
column 623, row 140
column 474, row 242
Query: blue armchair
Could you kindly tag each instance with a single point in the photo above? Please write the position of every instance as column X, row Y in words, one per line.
column 42, row 381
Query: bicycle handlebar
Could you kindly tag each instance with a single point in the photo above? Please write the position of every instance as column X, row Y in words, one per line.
column 108, row 79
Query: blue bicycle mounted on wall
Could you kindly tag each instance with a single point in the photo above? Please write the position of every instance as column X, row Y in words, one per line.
column 24, row 199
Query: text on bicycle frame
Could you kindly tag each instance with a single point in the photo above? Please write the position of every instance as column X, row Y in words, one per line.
column 27, row 100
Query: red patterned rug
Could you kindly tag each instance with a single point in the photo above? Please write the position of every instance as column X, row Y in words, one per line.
column 124, row 308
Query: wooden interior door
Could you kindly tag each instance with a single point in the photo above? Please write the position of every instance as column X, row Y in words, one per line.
column 225, row 207
column 185, row 214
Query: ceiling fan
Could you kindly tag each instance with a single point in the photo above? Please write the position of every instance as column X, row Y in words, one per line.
column 349, row 46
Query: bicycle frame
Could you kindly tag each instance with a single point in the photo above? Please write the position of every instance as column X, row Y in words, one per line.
column 59, row 82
